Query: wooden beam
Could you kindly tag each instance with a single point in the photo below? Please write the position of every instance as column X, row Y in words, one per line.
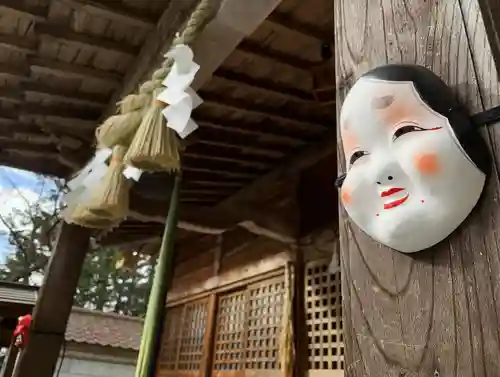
column 151, row 53
column 59, row 111
column 64, row 69
column 238, row 143
column 291, row 166
column 25, row 146
column 433, row 312
column 15, row 70
column 266, row 130
column 221, row 172
column 490, row 10
column 48, row 31
column 110, row 10
column 95, row 100
column 235, row 20
column 253, row 48
column 219, row 164
column 19, row 44
column 35, row 13
column 300, row 121
column 59, row 285
column 265, row 85
column 286, row 21
column 45, row 165
column 232, row 160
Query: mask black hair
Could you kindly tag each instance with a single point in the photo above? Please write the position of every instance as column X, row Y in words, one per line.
column 441, row 99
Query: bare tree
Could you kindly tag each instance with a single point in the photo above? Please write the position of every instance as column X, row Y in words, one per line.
column 30, row 230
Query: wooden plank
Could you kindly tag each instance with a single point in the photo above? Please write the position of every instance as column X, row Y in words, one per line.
column 151, row 54
column 490, row 10
column 434, row 313
column 35, row 13
column 54, row 303
column 64, row 69
column 48, row 31
column 220, row 37
column 208, row 348
column 119, row 12
column 286, row 21
column 94, row 100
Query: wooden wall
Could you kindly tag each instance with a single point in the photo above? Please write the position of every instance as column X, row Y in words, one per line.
column 436, row 312
column 226, row 318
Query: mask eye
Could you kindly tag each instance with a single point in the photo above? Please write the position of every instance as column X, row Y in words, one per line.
column 356, row 156
column 406, row 129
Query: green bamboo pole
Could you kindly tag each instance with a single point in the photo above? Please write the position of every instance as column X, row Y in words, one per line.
column 151, row 336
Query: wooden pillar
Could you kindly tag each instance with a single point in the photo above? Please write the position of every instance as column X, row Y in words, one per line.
column 436, row 312
column 9, row 362
column 54, row 303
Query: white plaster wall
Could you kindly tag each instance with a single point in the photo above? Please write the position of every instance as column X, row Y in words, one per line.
column 73, row 367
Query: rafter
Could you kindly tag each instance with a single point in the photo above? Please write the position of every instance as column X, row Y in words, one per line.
column 255, row 49
column 33, row 109
column 220, row 172
column 87, row 99
column 264, row 85
column 216, row 99
column 64, row 69
column 233, row 160
column 35, row 13
column 15, row 70
column 288, row 22
column 46, row 30
column 266, row 131
column 113, row 11
column 231, row 146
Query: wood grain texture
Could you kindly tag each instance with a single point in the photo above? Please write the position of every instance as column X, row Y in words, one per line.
column 435, row 313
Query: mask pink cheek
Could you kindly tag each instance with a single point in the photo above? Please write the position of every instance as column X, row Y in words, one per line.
column 345, row 196
column 427, row 163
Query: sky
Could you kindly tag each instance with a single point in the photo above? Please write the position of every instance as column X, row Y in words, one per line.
column 17, row 188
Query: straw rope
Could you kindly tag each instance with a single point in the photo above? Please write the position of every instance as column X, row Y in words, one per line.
column 119, row 129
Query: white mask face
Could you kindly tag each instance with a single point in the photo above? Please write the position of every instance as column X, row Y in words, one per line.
column 409, row 182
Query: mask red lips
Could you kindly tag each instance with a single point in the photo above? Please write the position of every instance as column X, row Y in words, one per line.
column 391, row 191
column 394, row 203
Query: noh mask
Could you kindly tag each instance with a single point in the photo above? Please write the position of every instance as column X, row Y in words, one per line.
column 416, row 165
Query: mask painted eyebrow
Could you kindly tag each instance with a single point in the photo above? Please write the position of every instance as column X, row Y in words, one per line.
column 380, row 103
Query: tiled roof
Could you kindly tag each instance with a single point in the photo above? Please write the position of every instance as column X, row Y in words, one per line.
column 104, row 329
column 84, row 326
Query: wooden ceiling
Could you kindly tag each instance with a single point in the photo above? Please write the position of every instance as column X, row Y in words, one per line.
column 62, row 62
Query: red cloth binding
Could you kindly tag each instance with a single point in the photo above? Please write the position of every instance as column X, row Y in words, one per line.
column 21, row 332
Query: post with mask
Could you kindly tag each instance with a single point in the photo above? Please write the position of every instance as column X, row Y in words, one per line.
column 419, row 240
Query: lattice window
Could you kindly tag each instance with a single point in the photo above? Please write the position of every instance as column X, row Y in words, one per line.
column 264, row 325
column 324, row 317
column 170, row 339
column 230, row 330
column 248, row 327
column 192, row 336
column 183, row 337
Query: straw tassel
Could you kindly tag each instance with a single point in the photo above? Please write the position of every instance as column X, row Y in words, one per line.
column 118, row 130
column 155, row 146
column 83, row 217
column 109, row 202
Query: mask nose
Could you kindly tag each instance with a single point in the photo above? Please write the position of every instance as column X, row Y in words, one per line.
column 386, row 172
column 385, row 180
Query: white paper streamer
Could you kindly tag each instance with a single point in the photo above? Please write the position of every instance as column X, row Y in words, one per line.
column 131, row 172
column 80, row 187
column 177, row 94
